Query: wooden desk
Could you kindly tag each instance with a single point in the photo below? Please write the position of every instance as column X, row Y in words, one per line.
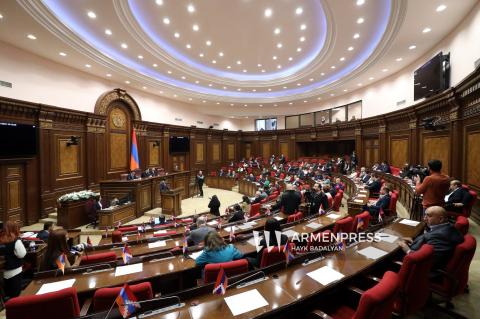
column 121, row 213
column 171, row 201
column 72, row 214
column 247, row 188
column 221, row 182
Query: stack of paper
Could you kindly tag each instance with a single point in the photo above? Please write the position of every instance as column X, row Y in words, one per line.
column 160, row 243
column 163, row 231
column 325, row 275
column 358, row 201
column 389, row 238
column 230, row 228
column 333, row 216
column 213, row 223
column 55, row 286
column 278, row 218
column 372, row 252
column 289, row 233
column 314, row 225
column 128, row 269
column 409, row 222
column 196, row 254
column 245, row 302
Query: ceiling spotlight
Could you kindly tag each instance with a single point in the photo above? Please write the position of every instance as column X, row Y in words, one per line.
column 214, row 61
column 384, row 70
column 332, row 67
column 224, row 88
column 229, row 66
column 220, row 53
column 210, row 84
column 239, row 89
column 259, row 65
column 128, row 82
column 1, row 16
column 169, row 72
column 360, row 2
column 176, row 35
column 426, row 30
column 274, row 57
column 231, row 104
column 140, row 57
column 190, row 99
column 284, row 87
column 279, row 66
column 268, row 13
column 441, row 7
column 124, row 45
column 254, row 90
column 166, row 20
column 91, row 15
column 155, row 65
column 144, row 87
column 88, row 66
column 290, row 103
column 371, row 78
column 299, row 49
column 191, row 8
column 201, row 55
column 398, row 59
column 188, row 46
column 350, row 49
column 279, row 45
column 302, row 39
column 31, row 37
column 356, row 36
column 263, row 71
column 108, row 32
column 239, row 62
column 290, row 59
column 208, row 42
column 311, row 79
column 108, row 75
column 412, row 47
column 322, row 74
column 303, row 27
column 159, row 2
column 331, row 94
column 204, row 101
column 276, row 31
column 218, row 103
column 195, row 27
column 299, row 10
column 360, row 20
column 197, row 81
column 359, row 84
column 342, row 58
column 299, row 84
column 63, row 54
column 244, row 71
column 183, row 77
column 269, row 90
column 345, row 90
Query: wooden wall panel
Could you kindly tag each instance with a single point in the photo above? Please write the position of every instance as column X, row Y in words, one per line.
column 230, row 151
column 199, row 153
column 216, row 152
column 12, row 190
column 437, row 147
column 473, row 159
column 248, row 150
column 284, row 149
column 118, row 151
column 68, row 157
column 13, row 195
column 154, row 153
column 399, row 152
column 266, row 150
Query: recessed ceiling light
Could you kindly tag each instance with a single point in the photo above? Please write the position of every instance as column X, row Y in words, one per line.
column 239, row 89
column 159, row 2
column 197, row 81
column 31, row 37
column 208, row 42
column 345, row 90
column 299, row 49
column 384, row 70
column 169, row 72
column 63, row 54
column 412, row 47
column 290, row 103
column 261, row 105
column 371, row 78
column 166, row 20
column 284, row 87
column 331, row 94
column 229, row 66
column 254, row 90
column 269, row 90
column 360, row 20
column 360, row 2
column 302, row 39
column 268, row 13
column 322, row 74
column 218, row 103
column 332, row 67
column 342, row 58
column 214, row 61
column 311, row 79
column 441, row 7
column 195, row 27
column 161, row 92
column 128, row 82
column 305, row 101
column 204, row 101
column 231, row 104
column 259, row 65
column 359, row 84
column 299, row 84
column 210, row 84
column 319, row 98
column 275, row 104
column 174, row 95
column 220, row 53
column 140, row 57
column 263, row 71
column 91, row 15
column 124, row 45
column 274, row 57
column 398, row 59
column 176, row 35
column 188, row 46
column 108, row 75
column 245, row 105
column 190, row 99
column 356, row 36
column 201, row 55
column 279, row 66
column 303, row 27
column 299, row 10
column 279, row 45
column 155, row 65
column 191, row 8
column 183, row 77
column 426, row 30
column 224, row 88
column 88, row 66
column 108, row 32
column 144, row 87
column 244, row 71
column 239, row 62
column 350, row 49
column 276, row 31
column 290, row 59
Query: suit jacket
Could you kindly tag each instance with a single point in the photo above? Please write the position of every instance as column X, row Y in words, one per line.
column 365, row 178
column 383, row 202
column 290, row 200
column 198, row 235
column 319, row 199
column 444, row 238
column 200, row 180
column 237, row 216
column 374, row 187
column 460, row 195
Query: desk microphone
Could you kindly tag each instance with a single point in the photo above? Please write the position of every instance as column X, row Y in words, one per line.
column 244, row 284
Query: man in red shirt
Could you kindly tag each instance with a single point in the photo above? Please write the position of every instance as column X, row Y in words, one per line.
column 434, row 187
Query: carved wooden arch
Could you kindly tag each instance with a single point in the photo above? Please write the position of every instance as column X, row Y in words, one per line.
column 104, row 100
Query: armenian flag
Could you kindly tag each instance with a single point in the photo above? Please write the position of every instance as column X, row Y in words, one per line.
column 288, row 253
column 61, row 263
column 126, row 301
column 360, row 224
column 321, row 211
column 126, row 254
column 341, row 242
column 381, row 214
column 184, row 245
column 134, row 161
column 221, row 284
column 89, row 242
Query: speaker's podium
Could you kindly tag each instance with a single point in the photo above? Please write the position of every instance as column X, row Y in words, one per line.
column 171, row 201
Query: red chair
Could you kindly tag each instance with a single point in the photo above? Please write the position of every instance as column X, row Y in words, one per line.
column 392, row 206
column 127, row 229
column 467, row 210
column 116, row 236
column 395, row 171
column 104, row 297
column 455, row 276
column 98, row 258
column 343, row 225
column 282, row 175
column 337, row 201
column 317, row 241
column 60, row 304
column 365, row 216
column 273, row 256
column 255, row 209
column 376, row 302
column 294, row 217
column 263, row 201
column 330, row 200
column 414, row 284
column 462, row 224
column 272, row 197
column 231, row 268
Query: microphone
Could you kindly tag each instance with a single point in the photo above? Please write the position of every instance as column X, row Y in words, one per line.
column 177, row 298
column 241, row 283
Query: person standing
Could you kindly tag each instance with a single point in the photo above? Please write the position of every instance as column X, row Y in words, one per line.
column 434, row 187
column 200, row 180
column 214, row 206
column 12, row 248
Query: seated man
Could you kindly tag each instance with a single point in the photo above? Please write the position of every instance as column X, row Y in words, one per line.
column 382, row 203
column 163, row 186
column 237, row 215
column 458, row 198
column 258, row 197
column 131, row 176
column 442, row 235
column 43, row 234
column 374, row 186
column 198, row 235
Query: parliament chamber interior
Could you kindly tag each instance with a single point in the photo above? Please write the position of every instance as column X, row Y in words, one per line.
column 239, row 159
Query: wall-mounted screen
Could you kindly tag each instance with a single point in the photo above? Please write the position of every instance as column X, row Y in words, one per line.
column 179, row 144
column 17, row 140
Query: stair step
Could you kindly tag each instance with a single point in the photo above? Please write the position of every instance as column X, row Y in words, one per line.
column 44, row 220
column 52, row 215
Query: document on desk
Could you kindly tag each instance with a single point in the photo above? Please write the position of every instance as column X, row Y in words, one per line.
column 245, row 302
column 160, row 243
column 213, row 222
column 128, row 269
column 195, row 255
column 333, row 216
column 290, row 233
column 55, row 286
column 162, row 231
column 325, row 275
column 278, row 218
column 125, row 238
column 372, row 252
column 389, row 238
column 409, row 222
column 229, row 228
column 358, row 201
column 361, row 195
column 314, row 225
column 244, row 226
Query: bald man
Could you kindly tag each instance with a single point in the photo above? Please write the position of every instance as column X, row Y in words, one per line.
column 442, row 235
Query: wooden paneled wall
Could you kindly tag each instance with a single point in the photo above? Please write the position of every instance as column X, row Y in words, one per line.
column 30, row 187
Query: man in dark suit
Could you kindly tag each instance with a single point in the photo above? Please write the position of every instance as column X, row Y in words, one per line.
column 43, row 234
column 442, row 235
column 458, row 198
column 163, row 186
column 290, row 200
column 319, row 199
column 374, row 186
column 382, row 203
column 200, row 180
column 131, row 176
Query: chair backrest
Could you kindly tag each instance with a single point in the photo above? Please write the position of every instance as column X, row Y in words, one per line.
column 468, row 209
column 458, row 266
column 231, row 268
column 125, row 229
column 395, row 170
column 60, row 304
column 273, row 256
column 104, row 297
column 392, row 206
column 337, row 201
column 116, row 236
column 462, row 224
column 343, row 225
column 330, row 199
column 414, row 280
column 255, row 209
column 377, row 302
column 98, row 258
column 365, row 216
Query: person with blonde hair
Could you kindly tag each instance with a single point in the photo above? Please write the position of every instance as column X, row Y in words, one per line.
column 13, row 249
column 217, row 251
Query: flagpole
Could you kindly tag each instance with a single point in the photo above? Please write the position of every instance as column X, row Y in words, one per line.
column 111, row 307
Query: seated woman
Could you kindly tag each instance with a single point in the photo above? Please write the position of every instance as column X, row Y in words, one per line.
column 57, row 245
column 214, row 206
column 245, row 204
column 11, row 247
column 217, row 251
column 238, row 214
column 271, row 225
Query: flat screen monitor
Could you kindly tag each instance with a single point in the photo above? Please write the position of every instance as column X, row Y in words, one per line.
column 179, row 144
column 17, row 140
column 433, row 77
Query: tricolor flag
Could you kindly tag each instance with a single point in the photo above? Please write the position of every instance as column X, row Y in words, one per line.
column 221, row 284
column 381, row 214
column 126, row 301
column 321, row 211
column 231, row 237
column 341, row 242
column 288, row 253
column 89, row 242
column 61, row 262
column 219, row 225
column 126, row 254
column 184, row 245
column 246, row 217
column 175, row 222
column 360, row 224
column 134, row 161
